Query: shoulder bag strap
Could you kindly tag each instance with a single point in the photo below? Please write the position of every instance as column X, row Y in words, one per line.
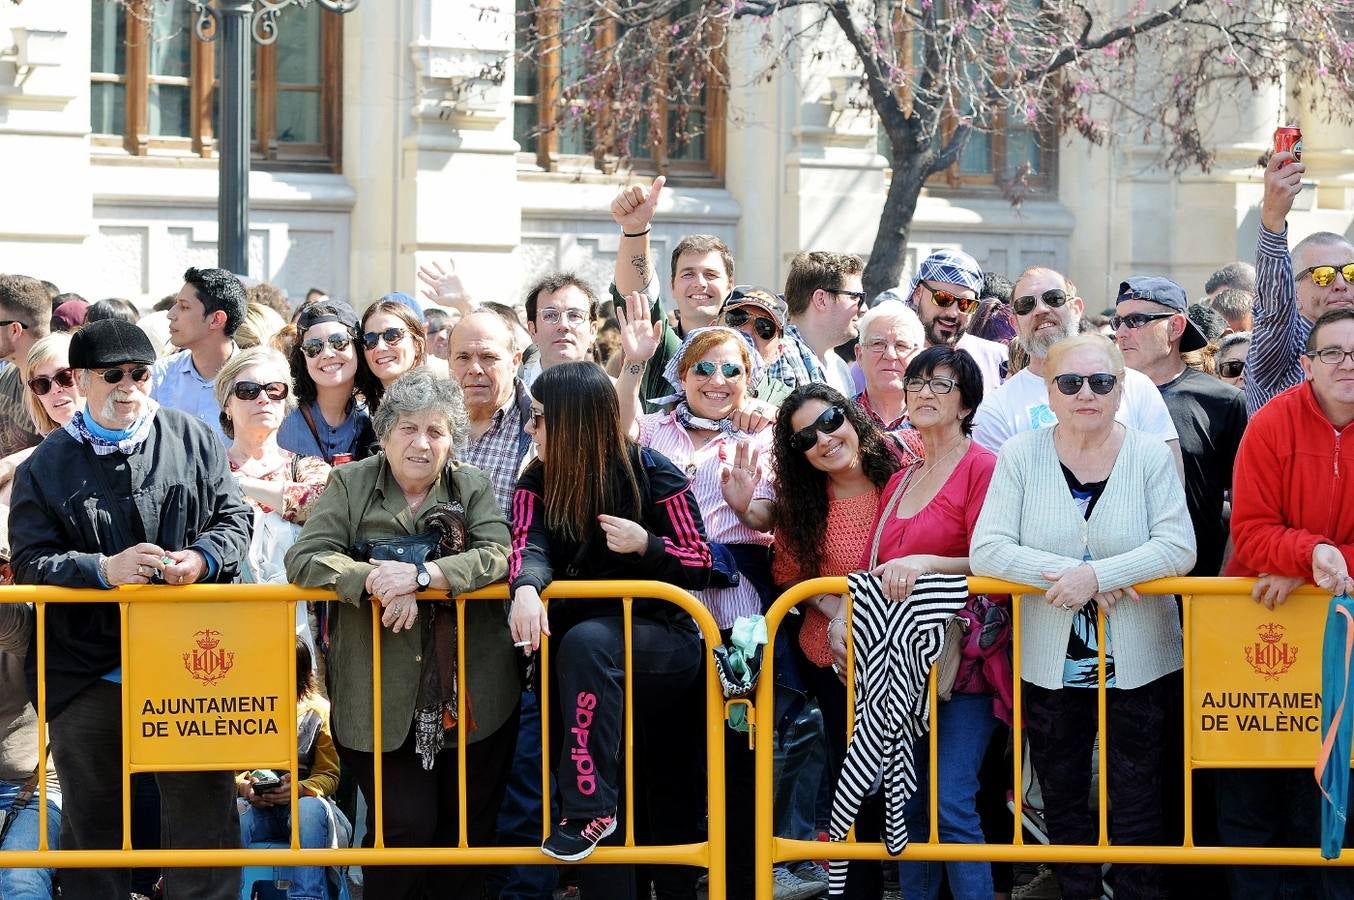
column 117, row 514
column 887, row 512
column 310, row 423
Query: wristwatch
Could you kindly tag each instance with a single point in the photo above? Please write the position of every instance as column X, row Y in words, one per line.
column 423, row 578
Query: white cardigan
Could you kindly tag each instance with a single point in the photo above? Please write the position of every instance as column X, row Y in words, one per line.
column 1139, row 530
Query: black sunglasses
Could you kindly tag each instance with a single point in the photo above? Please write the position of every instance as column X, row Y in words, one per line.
column 1053, row 299
column 315, row 346
column 1100, row 382
column 249, row 390
column 23, row 326
column 1138, row 320
column 766, row 328
column 114, row 376
column 42, row 385
column 827, row 422
column 858, row 296
column 391, row 336
column 1232, row 368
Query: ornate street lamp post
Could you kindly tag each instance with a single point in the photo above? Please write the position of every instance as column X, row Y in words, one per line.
column 233, row 21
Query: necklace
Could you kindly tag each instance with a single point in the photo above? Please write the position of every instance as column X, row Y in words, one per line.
column 927, row 470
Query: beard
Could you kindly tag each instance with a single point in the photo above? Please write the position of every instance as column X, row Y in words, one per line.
column 1040, row 343
column 935, row 339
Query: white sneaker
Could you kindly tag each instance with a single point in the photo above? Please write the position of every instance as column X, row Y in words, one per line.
column 786, row 886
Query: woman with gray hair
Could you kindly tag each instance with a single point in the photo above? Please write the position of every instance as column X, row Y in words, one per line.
column 410, row 519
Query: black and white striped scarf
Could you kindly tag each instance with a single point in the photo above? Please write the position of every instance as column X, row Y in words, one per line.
column 896, row 644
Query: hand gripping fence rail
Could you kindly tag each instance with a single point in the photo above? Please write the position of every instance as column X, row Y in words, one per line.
column 1251, row 699
column 218, row 624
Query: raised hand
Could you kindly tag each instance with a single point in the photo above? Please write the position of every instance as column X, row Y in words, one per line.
column 634, row 206
column 444, row 285
column 639, row 337
column 1283, row 181
column 738, row 482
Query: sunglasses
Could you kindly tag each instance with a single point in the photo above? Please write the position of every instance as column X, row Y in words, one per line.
column 1232, row 368
column 858, row 296
column 139, row 374
column 1053, row 299
column 827, row 422
column 1321, row 275
column 315, row 346
column 41, row 385
column 1137, row 320
column 766, row 328
column 249, row 390
column 391, row 336
column 945, row 299
column 1101, row 383
column 706, row 369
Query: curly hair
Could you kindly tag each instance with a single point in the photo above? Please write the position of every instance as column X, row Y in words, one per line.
column 801, row 504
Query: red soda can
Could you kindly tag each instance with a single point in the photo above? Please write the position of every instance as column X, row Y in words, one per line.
column 1288, row 139
column 341, row 458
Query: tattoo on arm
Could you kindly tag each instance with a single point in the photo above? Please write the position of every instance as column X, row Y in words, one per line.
column 640, row 262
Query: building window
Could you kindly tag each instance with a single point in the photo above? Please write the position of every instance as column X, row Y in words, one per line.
column 155, row 87
column 557, row 138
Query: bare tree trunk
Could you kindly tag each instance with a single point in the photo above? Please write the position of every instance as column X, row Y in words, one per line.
column 890, row 241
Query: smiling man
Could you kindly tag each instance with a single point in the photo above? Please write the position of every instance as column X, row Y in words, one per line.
column 209, row 307
column 1152, row 330
column 826, row 300
column 945, row 294
column 1048, row 309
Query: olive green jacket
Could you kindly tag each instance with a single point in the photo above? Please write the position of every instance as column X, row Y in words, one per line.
column 363, row 500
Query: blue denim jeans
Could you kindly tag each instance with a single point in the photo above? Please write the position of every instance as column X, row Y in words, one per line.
column 800, row 759
column 28, row 884
column 269, row 824
column 519, row 818
column 964, row 726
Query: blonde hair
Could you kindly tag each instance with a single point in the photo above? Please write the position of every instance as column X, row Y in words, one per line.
column 54, row 346
column 1078, row 341
column 259, row 325
column 241, row 360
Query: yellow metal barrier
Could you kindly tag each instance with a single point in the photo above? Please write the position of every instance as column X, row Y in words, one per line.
column 1237, row 656
column 215, row 618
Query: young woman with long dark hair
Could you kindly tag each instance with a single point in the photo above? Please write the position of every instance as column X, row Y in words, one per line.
column 597, row 506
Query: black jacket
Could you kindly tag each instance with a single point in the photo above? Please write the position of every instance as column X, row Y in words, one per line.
column 182, row 495
column 678, row 552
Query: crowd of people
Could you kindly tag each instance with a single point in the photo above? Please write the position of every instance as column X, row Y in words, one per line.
column 730, row 439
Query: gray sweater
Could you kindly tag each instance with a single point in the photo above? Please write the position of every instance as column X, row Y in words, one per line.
column 1139, row 530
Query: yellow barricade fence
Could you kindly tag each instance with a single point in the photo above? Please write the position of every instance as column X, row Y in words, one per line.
column 200, row 642
column 1252, row 699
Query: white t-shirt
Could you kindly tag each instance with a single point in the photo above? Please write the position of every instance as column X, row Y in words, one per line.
column 838, row 372
column 989, row 355
column 1021, row 404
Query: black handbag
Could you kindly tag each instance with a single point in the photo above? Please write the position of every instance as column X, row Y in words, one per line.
column 410, row 548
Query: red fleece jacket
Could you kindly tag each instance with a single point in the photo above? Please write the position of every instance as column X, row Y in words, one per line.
column 1293, row 488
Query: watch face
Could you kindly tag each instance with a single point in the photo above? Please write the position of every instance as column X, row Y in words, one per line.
column 423, row 579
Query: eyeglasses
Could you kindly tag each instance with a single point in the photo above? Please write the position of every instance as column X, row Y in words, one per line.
column 1321, row 275
column 706, row 369
column 858, row 296
column 23, row 325
column 1137, row 320
column 1331, row 356
column 537, row 416
column 249, row 390
column 902, row 349
column 945, row 299
column 391, row 336
column 766, row 328
column 1232, row 368
column 1053, row 299
column 551, row 316
column 828, row 421
column 938, row 385
column 42, row 384
column 315, row 346
column 1101, row 383
column 139, row 374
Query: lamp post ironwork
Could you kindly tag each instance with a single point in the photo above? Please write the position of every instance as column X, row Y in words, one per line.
column 234, row 22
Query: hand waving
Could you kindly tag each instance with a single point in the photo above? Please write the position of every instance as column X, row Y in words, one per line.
column 639, row 337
